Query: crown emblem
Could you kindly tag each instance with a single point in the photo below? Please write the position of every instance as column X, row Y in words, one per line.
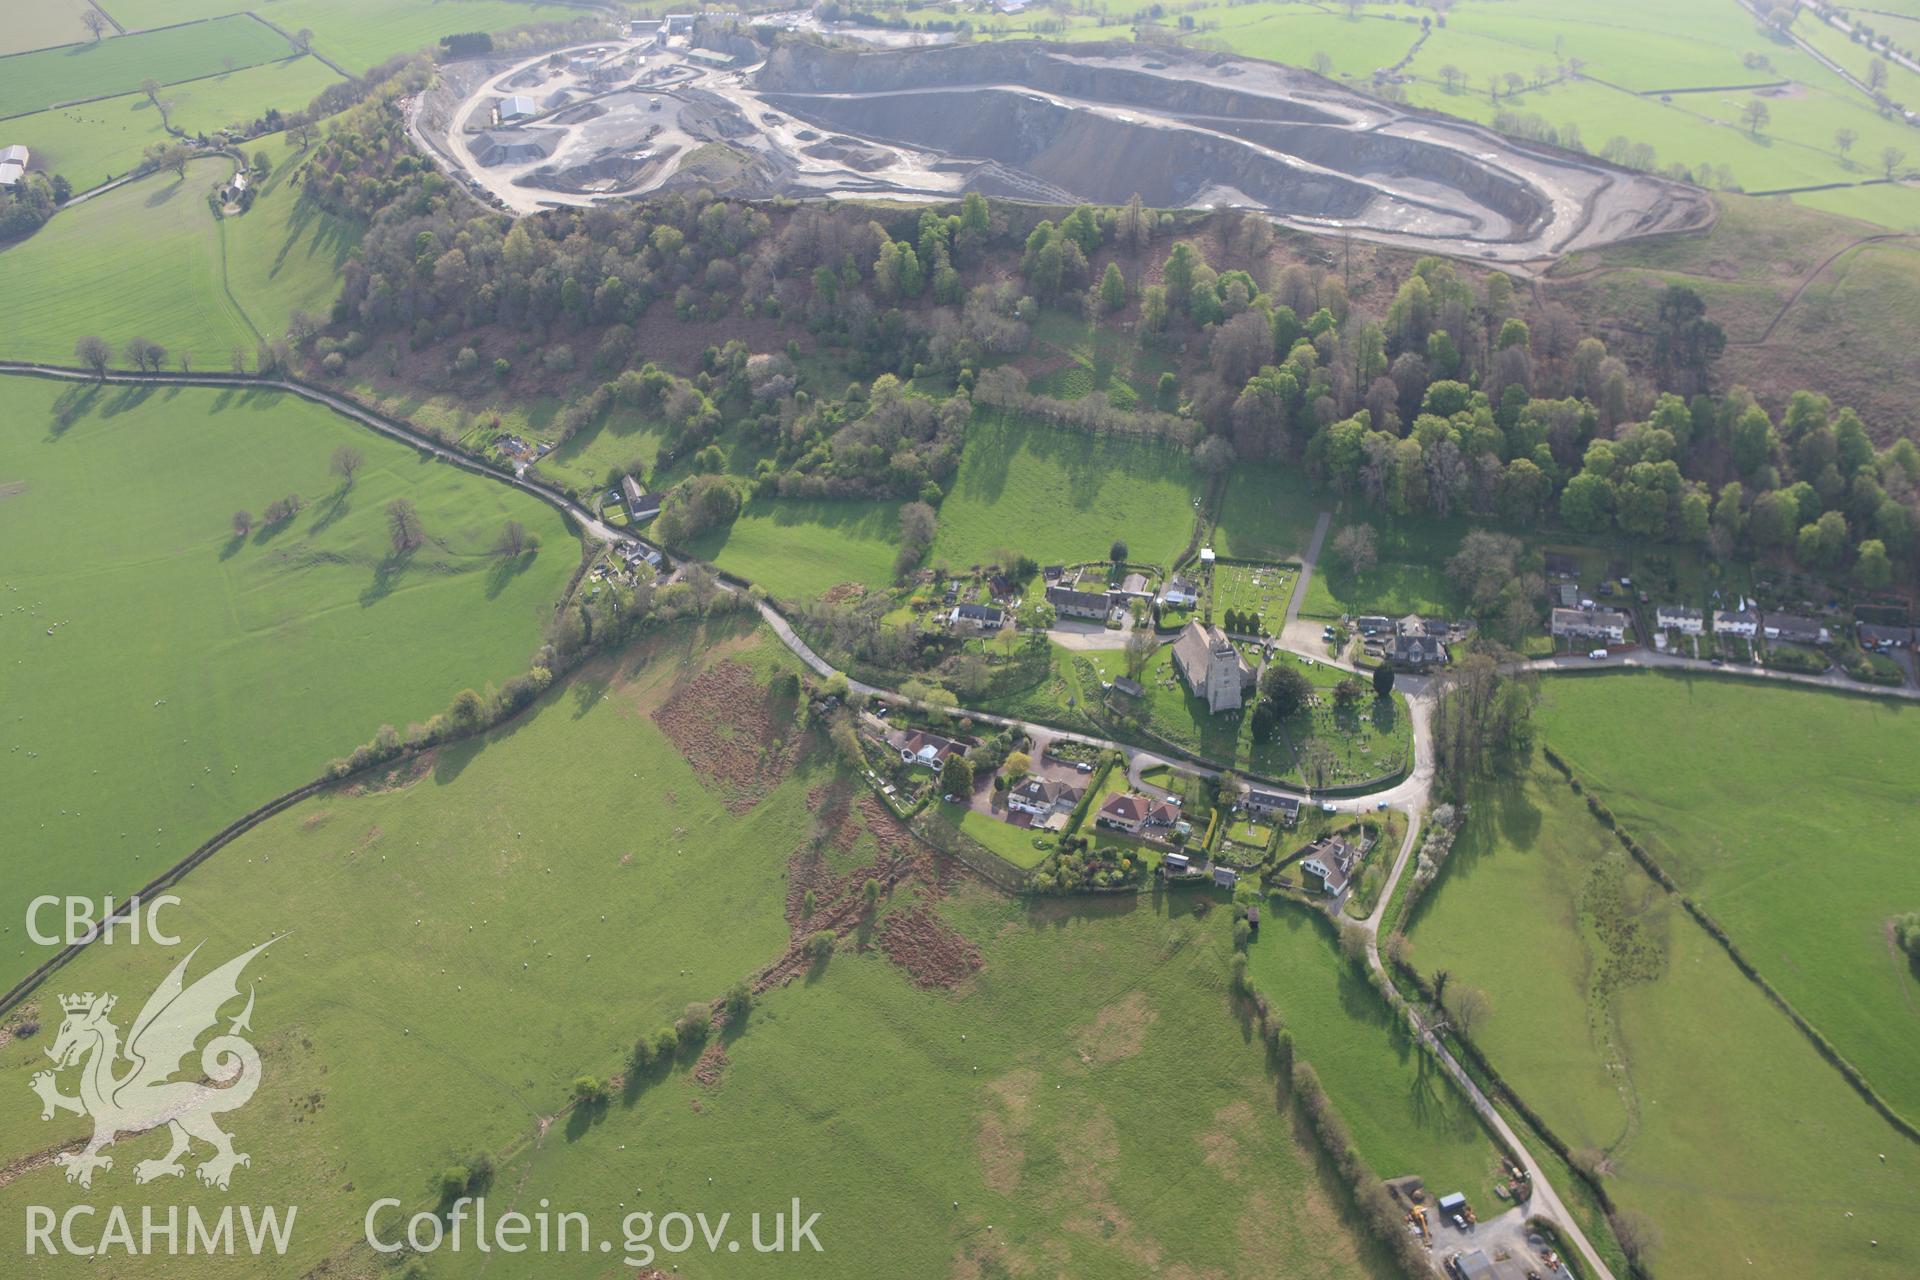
column 82, row 1003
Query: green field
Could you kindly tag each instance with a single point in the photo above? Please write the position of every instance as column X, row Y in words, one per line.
column 1038, row 1105
column 1268, row 513
column 75, row 73
column 150, row 259
column 43, row 25
column 1063, row 496
column 800, row 548
column 1086, row 357
column 1743, row 791
column 1406, row 1116
column 470, row 937
column 95, row 141
column 166, row 677
column 143, row 260
column 1409, row 578
column 1627, row 1028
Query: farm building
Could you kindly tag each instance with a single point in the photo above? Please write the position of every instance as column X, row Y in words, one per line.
column 1681, row 618
column 640, row 506
column 1211, row 667
column 1474, row 1266
column 1591, row 624
column 13, row 165
column 1071, row 603
column 979, row 617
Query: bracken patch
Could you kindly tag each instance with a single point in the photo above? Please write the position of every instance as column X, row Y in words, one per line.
column 721, row 721
column 931, row 952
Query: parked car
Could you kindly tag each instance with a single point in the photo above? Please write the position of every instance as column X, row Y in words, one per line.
column 1598, row 653
column 1326, row 806
column 1084, row 767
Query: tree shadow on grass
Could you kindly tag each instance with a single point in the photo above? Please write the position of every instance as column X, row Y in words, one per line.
column 73, row 404
column 386, row 575
column 506, row 569
column 450, row 761
column 335, row 510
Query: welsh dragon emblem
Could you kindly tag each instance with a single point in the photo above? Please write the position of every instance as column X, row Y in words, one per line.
column 129, row 1089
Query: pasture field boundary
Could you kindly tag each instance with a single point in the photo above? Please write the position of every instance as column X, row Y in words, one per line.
column 168, row 26
column 1824, row 1047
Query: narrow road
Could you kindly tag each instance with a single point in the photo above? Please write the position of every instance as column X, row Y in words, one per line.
column 1296, row 635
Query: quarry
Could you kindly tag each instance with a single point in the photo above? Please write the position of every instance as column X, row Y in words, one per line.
column 1055, row 124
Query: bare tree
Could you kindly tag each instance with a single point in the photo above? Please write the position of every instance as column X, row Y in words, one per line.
column 1891, row 158
column 1637, row 1235
column 237, row 359
column 95, row 21
column 1843, row 140
column 1322, row 64
column 346, row 461
column 303, row 40
column 1453, row 76
column 186, row 361
column 151, row 88
column 1357, row 547
column 1755, row 116
column 1877, row 75
column 93, row 352
column 1141, row 644
column 403, row 525
column 242, row 523
column 1469, row 1008
column 514, row 540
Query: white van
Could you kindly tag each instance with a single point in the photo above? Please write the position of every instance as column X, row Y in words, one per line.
column 1598, row 653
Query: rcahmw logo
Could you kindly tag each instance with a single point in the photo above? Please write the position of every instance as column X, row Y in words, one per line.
column 129, row 1087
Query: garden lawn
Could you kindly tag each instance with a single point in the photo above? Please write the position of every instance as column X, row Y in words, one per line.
column 144, row 260
column 460, row 941
column 1743, row 792
column 1406, row 1115
column 1627, row 1028
column 1063, row 496
column 800, row 548
column 1268, row 513
column 119, row 64
column 1002, row 839
column 1033, row 1099
column 166, row 677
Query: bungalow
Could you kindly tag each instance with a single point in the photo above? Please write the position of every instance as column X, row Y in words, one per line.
column 1043, row 797
column 1180, row 594
column 1211, row 667
column 1330, row 863
column 1070, row 603
column 930, row 750
column 1273, row 803
column 1736, row 622
column 1371, row 624
column 1676, row 617
column 1591, row 624
column 1874, row 635
column 1135, row 814
column 980, row 617
column 1793, row 629
column 1124, row 813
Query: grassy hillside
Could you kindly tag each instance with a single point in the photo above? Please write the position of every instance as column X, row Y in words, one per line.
column 472, row 935
column 1749, row 795
column 1627, row 1028
column 165, row 677
column 284, row 254
column 799, row 549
